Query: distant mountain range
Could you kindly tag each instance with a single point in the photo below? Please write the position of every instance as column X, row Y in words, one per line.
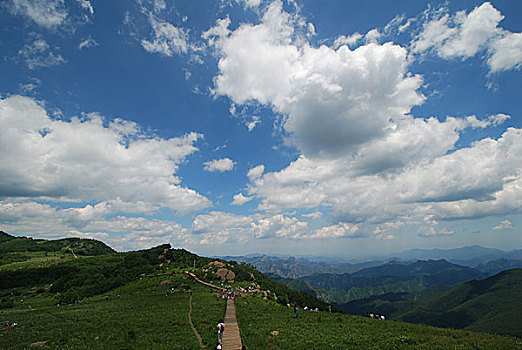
column 295, row 267
column 417, row 280
column 404, row 278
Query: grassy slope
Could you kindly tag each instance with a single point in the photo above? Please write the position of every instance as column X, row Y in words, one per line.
column 141, row 318
column 257, row 318
column 493, row 305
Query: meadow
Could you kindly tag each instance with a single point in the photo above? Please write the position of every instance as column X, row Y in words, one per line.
column 142, row 317
column 258, row 319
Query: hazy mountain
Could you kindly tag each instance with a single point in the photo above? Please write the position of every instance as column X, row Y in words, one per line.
column 470, row 256
column 495, row 266
column 295, row 267
column 417, row 279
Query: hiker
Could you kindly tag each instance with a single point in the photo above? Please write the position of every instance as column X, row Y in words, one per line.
column 217, row 297
column 221, row 329
column 296, row 311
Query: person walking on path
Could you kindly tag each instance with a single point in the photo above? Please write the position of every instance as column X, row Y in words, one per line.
column 220, row 330
column 296, row 311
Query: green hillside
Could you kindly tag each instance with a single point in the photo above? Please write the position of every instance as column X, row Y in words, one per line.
column 21, row 252
column 267, row 325
column 143, row 299
column 493, row 305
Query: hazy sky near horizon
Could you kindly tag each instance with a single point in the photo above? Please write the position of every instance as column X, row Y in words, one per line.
column 286, row 127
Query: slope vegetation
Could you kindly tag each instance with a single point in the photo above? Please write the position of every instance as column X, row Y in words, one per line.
column 493, row 305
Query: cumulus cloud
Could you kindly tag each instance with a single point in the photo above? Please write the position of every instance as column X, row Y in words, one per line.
column 480, row 180
column 221, row 165
column 464, row 35
column 504, row 225
column 221, row 227
column 279, row 226
column 506, row 53
column 363, row 156
column 334, row 99
column 87, row 159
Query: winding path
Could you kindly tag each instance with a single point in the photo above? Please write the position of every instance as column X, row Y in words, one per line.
column 201, row 345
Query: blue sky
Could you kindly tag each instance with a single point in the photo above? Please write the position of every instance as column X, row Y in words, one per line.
column 278, row 127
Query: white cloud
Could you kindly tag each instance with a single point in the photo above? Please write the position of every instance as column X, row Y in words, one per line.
column 86, row 160
column 279, row 226
column 167, row 39
column 373, row 36
column 46, row 13
column 250, row 3
column 334, row 100
column 493, row 120
column 315, row 215
column 91, row 221
column 363, row 156
column 339, row 230
column 253, row 123
column 219, row 31
column 88, row 43
column 221, row 227
column 464, row 35
column 40, row 54
column 506, row 53
column 504, row 225
column 431, row 231
column 351, row 40
column 239, row 199
column 480, row 180
column 256, row 172
column 86, row 5
column 221, row 165
column 29, row 87
column 460, row 35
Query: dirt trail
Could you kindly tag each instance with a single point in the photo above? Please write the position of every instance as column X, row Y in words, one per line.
column 201, row 345
column 72, row 251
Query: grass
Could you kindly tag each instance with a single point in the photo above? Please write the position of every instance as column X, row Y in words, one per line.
column 142, row 318
column 257, row 318
column 35, row 259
